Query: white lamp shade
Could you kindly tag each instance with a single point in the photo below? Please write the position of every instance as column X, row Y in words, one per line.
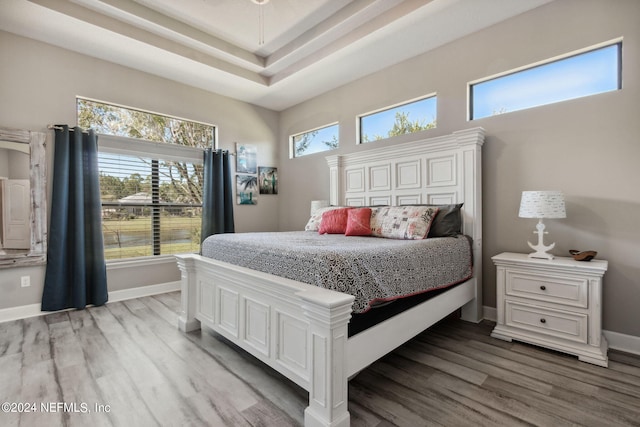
column 542, row 204
column 318, row 204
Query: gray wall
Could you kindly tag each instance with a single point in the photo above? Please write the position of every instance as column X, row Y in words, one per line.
column 588, row 147
column 38, row 86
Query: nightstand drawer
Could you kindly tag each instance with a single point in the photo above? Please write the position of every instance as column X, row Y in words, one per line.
column 559, row 324
column 568, row 290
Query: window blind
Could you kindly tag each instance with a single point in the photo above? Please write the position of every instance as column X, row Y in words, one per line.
column 149, row 206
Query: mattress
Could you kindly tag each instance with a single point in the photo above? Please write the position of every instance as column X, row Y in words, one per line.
column 372, row 269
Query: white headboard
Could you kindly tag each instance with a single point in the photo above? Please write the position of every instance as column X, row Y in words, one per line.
column 441, row 170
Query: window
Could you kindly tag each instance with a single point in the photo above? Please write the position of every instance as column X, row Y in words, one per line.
column 413, row 116
column 588, row 73
column 315, row 141
column 150, row 179
column 146, row 208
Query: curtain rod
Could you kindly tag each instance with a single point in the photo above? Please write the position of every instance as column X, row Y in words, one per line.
column 72, row 130
column 61, row 128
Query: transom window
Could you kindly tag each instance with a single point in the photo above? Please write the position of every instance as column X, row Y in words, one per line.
column 588, row 73
column 409, row 117
column 151, row 176
column 315, row 141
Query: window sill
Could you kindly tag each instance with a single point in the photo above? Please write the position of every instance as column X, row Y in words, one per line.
column 117, row 264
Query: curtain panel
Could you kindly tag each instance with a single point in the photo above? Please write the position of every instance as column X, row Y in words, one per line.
column 217, row 197
column 76, row 269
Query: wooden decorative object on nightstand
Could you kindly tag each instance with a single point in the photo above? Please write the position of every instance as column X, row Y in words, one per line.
column 552, row 303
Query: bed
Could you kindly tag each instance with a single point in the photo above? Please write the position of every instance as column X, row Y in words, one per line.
column 302, row 330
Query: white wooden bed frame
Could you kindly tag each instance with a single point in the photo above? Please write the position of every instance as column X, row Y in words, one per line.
column 300, row 330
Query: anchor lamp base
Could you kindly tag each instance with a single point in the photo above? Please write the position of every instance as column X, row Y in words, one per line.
column 541, row 249
column 540, row 254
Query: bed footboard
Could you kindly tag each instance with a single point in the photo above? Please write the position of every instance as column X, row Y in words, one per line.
column 299, row 330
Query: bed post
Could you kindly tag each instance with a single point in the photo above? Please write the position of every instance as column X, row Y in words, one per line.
column 470, row 142
column 328, row 382
column 335, row 180
column 187, row 321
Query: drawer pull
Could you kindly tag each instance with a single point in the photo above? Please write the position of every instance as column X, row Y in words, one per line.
column 543, row 288
column 543, row 320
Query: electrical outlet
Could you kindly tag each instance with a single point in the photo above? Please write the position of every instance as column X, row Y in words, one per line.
column 25, row 281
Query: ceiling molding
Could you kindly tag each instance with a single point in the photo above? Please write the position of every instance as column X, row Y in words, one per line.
column 121, row 28
column 352, row 15
column 165, row 26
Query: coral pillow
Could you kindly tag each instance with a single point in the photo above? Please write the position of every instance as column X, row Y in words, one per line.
column 334, row 221
column 358, row 222
column 316, row 218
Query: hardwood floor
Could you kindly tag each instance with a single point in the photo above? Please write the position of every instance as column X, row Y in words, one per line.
column 126, row 364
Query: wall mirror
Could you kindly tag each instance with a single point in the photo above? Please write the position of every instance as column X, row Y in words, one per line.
column 23, row 201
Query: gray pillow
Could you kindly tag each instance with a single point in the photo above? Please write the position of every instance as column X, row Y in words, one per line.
column 448, row 221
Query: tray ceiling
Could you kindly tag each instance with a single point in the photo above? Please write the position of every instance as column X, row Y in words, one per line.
column 310, row 46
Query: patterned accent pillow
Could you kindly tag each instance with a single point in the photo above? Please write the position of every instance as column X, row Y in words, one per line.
column 448, row 221
column 334, row 221
column 358, row 222
column 316, row 219
column 402, row 222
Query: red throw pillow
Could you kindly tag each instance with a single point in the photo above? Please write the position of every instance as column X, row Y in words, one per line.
column 358, row 222
column 334, row 221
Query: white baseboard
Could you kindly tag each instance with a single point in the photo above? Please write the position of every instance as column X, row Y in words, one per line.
column 144, row 291
column 617, row 341
column 32, row 310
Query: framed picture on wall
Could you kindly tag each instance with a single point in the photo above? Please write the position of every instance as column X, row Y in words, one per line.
column 246, row 158
column 268, row 180
column 246, row 189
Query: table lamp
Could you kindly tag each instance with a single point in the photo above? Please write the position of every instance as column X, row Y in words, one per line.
column 542, row 204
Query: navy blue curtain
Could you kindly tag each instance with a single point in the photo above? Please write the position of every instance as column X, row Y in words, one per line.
column 217, row 194
column 76, row 273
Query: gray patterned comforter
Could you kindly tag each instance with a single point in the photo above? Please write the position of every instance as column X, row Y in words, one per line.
column 372, row 269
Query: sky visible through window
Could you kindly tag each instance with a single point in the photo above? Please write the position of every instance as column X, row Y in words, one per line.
column 316, row 141
column 378, row 125
column 585, row 74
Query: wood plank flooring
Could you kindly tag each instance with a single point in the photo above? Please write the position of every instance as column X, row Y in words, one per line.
column 126, row 364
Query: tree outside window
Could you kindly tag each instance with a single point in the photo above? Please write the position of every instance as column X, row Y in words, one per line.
column 315, row 141
column 407, row 118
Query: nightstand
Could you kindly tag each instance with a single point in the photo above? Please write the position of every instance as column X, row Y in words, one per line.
column 552, row 303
